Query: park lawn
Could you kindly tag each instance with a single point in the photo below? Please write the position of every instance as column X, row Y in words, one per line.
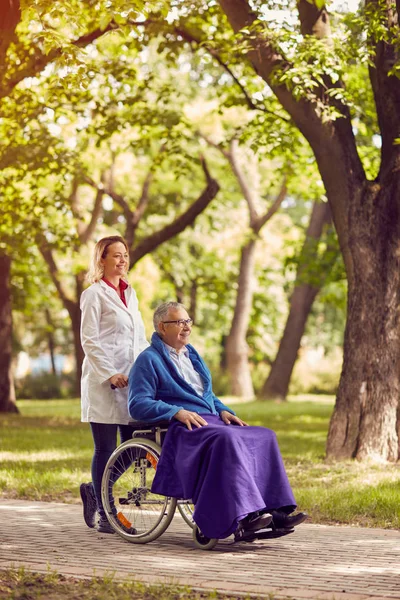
column 45, row 454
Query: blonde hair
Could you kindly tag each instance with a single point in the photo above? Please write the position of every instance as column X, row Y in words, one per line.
column 96, row 269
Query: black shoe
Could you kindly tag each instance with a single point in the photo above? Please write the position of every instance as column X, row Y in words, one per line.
column 284, row 521
column 104, row 526
column 256, row 522
column 89, row 504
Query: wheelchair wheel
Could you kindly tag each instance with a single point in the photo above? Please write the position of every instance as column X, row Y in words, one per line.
column 186, row 509
column 201, row 541
column 133, row 511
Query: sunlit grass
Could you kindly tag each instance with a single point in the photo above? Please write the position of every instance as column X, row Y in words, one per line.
column 24, row 585
column 45, row 454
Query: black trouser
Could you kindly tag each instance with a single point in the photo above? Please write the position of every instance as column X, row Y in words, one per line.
column 105, row 442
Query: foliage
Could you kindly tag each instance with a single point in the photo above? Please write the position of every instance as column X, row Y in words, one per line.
column 45, row 386
column 132, row 102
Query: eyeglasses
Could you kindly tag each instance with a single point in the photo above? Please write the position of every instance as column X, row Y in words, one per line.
column 181, row 322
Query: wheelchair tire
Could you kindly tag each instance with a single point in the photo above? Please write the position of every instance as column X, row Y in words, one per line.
column 133, row 511
column 202, row 542
column 186, row 509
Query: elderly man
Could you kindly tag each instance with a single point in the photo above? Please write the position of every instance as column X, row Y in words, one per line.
column 233, row 472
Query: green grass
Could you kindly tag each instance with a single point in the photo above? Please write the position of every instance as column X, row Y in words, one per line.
column 20, row 584
column 46, row 452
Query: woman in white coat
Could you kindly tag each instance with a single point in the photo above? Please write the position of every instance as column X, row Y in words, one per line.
column 112, row 336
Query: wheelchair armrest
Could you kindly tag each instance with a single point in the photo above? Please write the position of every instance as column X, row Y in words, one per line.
column 138, row 425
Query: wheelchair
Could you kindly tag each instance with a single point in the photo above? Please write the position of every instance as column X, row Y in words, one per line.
column 133, row 510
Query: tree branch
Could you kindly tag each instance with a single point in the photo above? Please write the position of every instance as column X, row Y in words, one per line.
column 39, row 60
column 256, row 221
column 244, row 186
column 132, row 217
column 144, row 199
column 97, row 209
column 219, row 147
column 47, row 254
column 333, row 142
column 192, row 39
column 189, row 37
column 180, row 223
column 386, row 88
column 10, row 16
column 260, row 222
column 314, row 21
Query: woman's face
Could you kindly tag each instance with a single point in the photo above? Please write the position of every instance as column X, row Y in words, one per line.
column 116, row 262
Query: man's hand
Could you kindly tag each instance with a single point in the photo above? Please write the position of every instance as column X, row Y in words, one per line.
column 229, row 418
column 189, row 418
column 119, row 380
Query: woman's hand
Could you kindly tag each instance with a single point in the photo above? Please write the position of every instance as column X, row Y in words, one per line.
column 189, row 418
column 229, row 418
column 119, row 380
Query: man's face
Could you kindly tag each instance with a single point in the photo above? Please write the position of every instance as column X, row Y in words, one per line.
column 174, row 334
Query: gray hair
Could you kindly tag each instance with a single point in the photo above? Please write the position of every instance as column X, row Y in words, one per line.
column 162, row 310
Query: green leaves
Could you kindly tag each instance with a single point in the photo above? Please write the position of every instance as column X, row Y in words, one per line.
column 320, row 4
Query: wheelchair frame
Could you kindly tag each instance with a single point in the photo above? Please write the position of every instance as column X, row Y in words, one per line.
column 133, row 511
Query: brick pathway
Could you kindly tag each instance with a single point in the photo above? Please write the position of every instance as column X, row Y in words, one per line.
column 328, row 563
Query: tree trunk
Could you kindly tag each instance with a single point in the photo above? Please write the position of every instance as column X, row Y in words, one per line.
column 304, row 294
column 7, row 403
column 236, row 346
column 50, row 340
column 193, row 301
column 277, row 383
column 75, row 315
column 364, row 423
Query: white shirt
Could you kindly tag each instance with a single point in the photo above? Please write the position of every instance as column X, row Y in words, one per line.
column 185, row 368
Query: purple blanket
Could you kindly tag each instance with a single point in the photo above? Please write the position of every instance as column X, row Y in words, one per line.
column 228, row 471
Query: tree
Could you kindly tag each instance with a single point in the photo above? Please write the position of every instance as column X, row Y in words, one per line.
column 365, row 213
column 44, row 34
column 132, row 219
column 23, row 55
column 6, row 388
column 236, row 348
column 312, row 273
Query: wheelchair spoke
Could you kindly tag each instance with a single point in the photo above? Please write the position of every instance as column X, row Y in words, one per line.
column 133, row 509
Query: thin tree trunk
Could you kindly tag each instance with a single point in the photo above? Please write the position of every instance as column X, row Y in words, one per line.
column 7, row 397
column 277, row 383
column 304, row 294
column 193, row 301
column 50, row 341
column 236, row 346
column 75, row 315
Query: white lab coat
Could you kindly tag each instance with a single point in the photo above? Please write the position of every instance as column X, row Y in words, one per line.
column 112, row 336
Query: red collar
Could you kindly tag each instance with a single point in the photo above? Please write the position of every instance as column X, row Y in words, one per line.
column 122, row 287
column 122, row 284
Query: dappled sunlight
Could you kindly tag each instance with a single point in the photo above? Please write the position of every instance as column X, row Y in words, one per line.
column 314, row 398
column 43, row 456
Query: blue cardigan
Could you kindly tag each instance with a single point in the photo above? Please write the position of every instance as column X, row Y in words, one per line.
column 158, row 392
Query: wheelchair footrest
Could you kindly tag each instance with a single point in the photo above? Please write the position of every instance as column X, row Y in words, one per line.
column 262, row 534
